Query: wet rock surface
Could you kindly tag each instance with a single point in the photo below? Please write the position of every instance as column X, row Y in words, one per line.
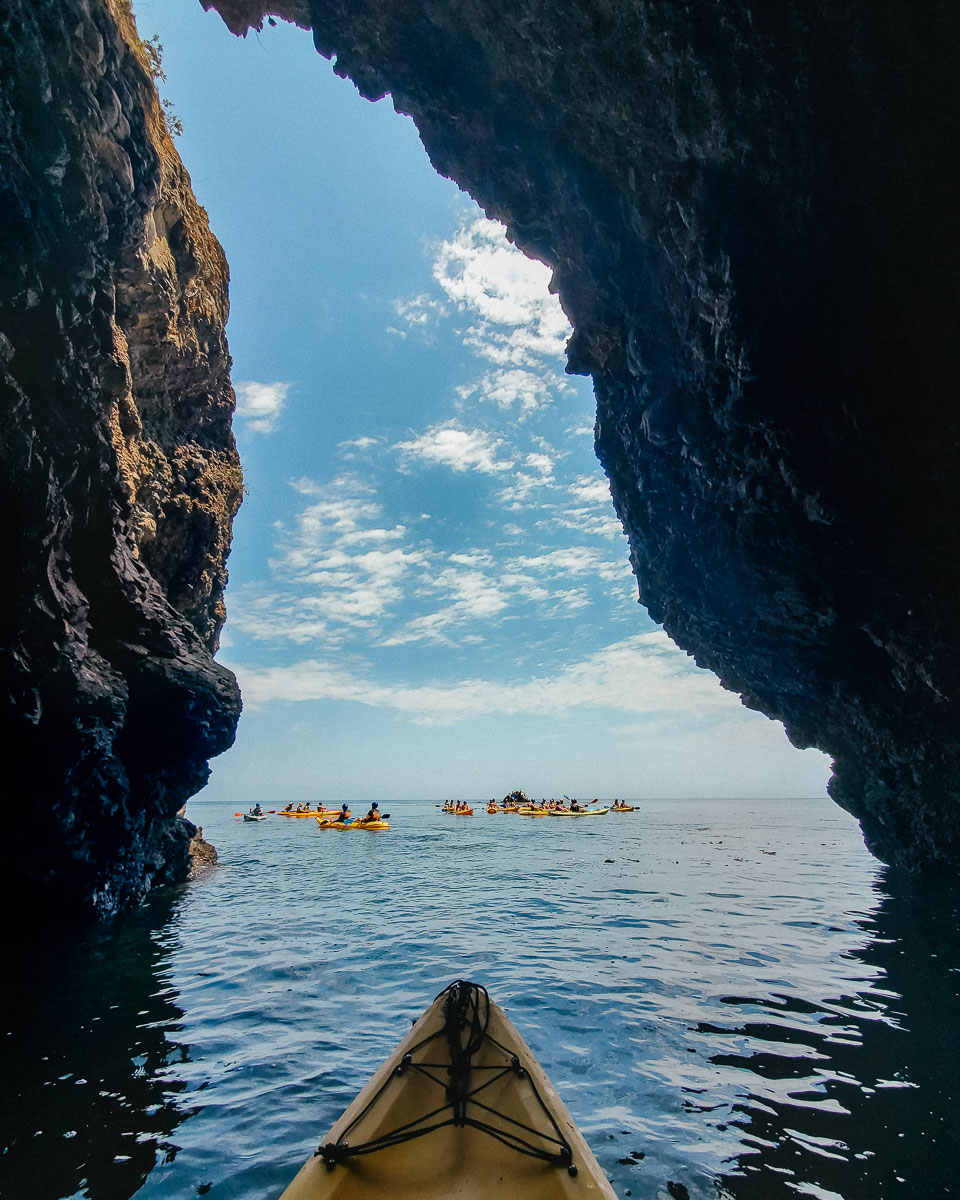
column 118, row 469
column 203, row 855
column 751, row 215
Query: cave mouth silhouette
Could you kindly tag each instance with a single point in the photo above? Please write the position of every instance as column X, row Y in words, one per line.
column 750, row 219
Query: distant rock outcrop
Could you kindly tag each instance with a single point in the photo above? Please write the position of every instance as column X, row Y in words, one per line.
column 751, row 212
column 118, row 469
column 517, row 797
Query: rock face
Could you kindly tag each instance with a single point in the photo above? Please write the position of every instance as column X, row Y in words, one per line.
column 750, row 210
column 118, row 469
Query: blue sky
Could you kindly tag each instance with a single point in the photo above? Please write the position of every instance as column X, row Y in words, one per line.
column 430, row 593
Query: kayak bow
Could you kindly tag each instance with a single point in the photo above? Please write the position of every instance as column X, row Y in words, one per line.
column 464, row 1080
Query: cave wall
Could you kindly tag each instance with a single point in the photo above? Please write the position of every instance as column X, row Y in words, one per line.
column 118, row 468
column 750, row 211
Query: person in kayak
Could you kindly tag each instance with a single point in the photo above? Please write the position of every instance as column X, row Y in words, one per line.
column 344, row 814
column 372, row 815
column 575, row 806
column 257, row 810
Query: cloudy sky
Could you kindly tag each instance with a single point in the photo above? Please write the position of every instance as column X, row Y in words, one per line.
column 430, row 593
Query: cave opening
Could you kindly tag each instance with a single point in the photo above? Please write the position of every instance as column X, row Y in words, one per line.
column 427, row 576
column 751, row 1008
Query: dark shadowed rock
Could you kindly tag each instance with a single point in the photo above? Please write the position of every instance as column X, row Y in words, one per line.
column 118, row 471
column 750, row 210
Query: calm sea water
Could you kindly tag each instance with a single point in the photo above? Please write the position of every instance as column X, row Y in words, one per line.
column 734, row 991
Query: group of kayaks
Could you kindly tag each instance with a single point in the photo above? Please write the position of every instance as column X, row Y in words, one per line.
column 555, row 809
column 546, row 808
column 326, row 818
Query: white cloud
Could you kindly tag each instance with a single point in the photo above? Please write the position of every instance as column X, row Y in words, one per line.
column 516, row 495
column 514, row 387
column 591, row 489
column 469, row 595
column 573, row 560
column 589, row 493
column 418, row 314
column 259, row 404
column 460, row 449
column 355, row 447
column 540, row 462
column 339, row 567
column 518, row 321
column 642, row 675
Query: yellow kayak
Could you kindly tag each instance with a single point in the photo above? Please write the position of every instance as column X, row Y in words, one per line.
column 589, row 812
column 326, row 823
column 461, row 1110
column 313, row 812
column 534, row 812
column 622, row 808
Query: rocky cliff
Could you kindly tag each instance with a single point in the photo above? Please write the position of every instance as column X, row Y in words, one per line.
column 118, row 469
column 750, row 210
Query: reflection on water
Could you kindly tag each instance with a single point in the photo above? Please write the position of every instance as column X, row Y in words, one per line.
column 861, row 1095
column 733, row 999
column 90, row 1092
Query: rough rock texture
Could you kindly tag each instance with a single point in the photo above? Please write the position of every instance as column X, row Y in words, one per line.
column 118, row 469
column 751, row 212
column 203, row 855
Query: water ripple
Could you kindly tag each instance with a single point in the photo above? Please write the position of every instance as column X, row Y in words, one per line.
column 740, row 1001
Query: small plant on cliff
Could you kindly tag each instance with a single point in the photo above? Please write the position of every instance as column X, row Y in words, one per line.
column 153, row 49
column 174, row 124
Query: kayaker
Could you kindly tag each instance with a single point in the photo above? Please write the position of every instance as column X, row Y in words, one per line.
column 344, row 813
column 257, row 810
column 575, row 806
column 373, row 814
column 289, row 807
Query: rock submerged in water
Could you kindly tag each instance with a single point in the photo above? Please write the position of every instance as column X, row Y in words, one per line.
column 751, row 216
column 118, row 468
column 203, row 855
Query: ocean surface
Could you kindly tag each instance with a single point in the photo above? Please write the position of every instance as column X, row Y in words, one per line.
column 731, row 996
